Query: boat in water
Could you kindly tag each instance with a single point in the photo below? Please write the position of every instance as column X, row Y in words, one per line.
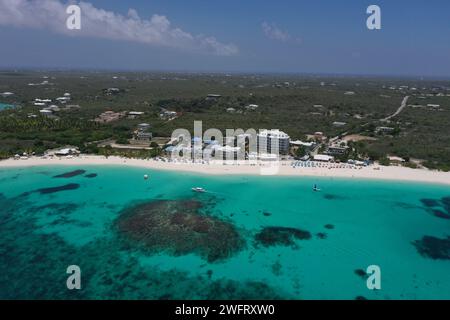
column 198, row 189
column 316, row 188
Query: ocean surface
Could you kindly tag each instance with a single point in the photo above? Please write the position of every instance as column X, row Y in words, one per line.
column 247, row 237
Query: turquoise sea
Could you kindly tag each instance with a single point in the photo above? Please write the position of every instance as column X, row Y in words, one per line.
column 247, row 237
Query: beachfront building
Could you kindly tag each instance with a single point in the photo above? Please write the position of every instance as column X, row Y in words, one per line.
column 143, row 132
column 323, row 158
column 267, row 157
column 396, row 160
column 337, row 149
column 269, row 140
column 66, row 151
column 299, row 143
column 219, row 152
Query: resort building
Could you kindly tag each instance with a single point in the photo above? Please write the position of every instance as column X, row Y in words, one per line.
column 269, row 140
column 53, row 108
column 226, row 152
column 252, row 107
column 384, row 129
column 318, row 135
column 323, row 158
column 66, row 151
column 337, row 149
column 213, row 97
column 43, row 100
column 299, row 143
column 168, row 115
column 109, row 116
column 63, row 99
column 266, row 157
column 111, row 91
column 396, row 160
column 134, row 114
column 339, row 124
column 143, row 132
column 45, row 112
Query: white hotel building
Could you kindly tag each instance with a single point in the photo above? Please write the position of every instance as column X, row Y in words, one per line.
column 268, row 138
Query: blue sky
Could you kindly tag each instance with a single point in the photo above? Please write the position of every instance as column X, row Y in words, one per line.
column 320, row 36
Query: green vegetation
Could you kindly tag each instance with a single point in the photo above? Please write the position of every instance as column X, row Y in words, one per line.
column 298, row 105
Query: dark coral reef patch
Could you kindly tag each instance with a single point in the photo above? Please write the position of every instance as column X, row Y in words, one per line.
column 179, row 227
column 434, row 248
column 321, row 235
column 71, row 174
column 91, row 175
column 439, row 208
column 329, row 196
column 67, row 187
column 280, row 236
column 361, row 273
column 33, row 267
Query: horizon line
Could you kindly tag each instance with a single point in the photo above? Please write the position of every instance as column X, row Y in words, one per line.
column 225, row 72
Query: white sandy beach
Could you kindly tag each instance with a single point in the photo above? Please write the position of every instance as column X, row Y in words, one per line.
column 284, row 168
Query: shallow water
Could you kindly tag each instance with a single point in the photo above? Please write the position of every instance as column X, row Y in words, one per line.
column 352, row 224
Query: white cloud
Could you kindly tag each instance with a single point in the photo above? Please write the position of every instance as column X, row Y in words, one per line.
column 158, row 30
column 274, row 33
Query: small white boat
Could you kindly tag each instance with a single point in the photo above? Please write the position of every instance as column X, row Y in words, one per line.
column 316, row 188
column 198, row 189
column 146, row 177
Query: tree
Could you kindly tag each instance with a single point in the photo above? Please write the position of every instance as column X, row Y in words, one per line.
column 385, row 161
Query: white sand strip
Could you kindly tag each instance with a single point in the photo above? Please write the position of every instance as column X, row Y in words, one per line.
column 285, row 168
